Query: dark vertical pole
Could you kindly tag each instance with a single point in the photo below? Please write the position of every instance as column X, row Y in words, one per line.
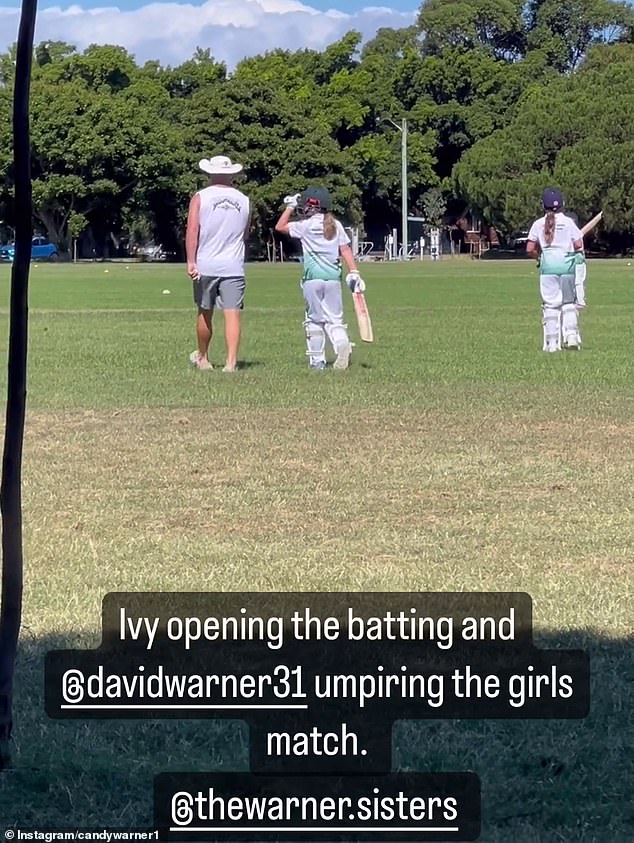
column 11, row 486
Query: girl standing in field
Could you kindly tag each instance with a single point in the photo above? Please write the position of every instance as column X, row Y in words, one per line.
column 324, row 245
column 556, row 239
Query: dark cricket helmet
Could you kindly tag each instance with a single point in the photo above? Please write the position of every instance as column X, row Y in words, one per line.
column 552, row 200
column 315, row 200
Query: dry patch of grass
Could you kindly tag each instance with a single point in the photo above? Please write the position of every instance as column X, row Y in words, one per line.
column 225, row 499
column 230, row 500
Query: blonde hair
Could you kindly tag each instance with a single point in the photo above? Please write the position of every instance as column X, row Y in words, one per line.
column 549, row 227
column 330, row 227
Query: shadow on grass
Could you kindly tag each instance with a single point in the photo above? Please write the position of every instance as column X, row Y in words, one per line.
column 558, row 780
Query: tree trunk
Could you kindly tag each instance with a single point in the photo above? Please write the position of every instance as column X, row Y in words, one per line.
column 54, row 230
column 11, row 486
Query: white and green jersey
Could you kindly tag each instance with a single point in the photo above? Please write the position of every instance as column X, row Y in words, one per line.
column 322, row 260
column 558, row 258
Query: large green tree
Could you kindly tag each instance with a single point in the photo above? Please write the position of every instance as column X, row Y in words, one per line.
column 280, row 141
column 493, row 91
column 101, row 140
column 575, row 132
column 494, row 25
column 564, row 29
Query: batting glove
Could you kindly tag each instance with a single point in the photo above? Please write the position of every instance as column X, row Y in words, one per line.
column 355, row 282
column 292, row 201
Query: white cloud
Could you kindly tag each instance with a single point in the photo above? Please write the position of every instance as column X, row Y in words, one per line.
column 231, row 29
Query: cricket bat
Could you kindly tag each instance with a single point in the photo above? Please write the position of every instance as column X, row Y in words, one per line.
column 363, row 317
column 592, row 224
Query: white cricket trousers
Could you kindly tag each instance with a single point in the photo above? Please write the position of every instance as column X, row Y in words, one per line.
column 324, row 315
column 557, row 290
column 559, row 311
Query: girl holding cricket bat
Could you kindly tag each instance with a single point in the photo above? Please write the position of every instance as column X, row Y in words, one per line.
column 324, row 245
column 556, row 239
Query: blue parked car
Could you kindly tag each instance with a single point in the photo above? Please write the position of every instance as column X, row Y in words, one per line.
column 41, row 250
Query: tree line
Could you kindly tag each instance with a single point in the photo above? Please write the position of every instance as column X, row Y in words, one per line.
column 501, row 96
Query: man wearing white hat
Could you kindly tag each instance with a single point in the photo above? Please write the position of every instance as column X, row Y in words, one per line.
column 217, row 227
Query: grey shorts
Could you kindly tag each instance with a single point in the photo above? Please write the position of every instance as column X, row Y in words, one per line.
column 210, row 291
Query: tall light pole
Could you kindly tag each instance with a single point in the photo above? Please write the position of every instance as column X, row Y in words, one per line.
column 11, row 482
column 403, row 130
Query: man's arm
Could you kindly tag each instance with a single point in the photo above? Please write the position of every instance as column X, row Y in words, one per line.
column 191, row 236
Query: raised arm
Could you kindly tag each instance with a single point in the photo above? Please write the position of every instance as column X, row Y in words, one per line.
column 282, row 224
column 290, row 203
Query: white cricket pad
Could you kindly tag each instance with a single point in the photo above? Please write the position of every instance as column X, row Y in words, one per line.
column 315, row 341
column 580, row 283
column 552, row 329
column 570, row 326
column 338, row 336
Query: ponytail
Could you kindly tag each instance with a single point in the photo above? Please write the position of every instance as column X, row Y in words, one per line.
column 549, row 227
column 330, row 227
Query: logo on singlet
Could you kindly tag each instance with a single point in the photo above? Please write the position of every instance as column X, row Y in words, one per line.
column 226, row 204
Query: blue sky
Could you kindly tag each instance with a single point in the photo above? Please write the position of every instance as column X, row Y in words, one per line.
column 171, row 30
column 355, row 5
column 349, row 6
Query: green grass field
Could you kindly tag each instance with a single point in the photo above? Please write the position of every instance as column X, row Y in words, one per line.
column 453, row 455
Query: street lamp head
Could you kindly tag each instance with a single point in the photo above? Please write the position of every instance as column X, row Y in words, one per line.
column 385, row 119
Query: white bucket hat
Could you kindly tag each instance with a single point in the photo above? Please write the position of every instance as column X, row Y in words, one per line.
column 219, row 165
